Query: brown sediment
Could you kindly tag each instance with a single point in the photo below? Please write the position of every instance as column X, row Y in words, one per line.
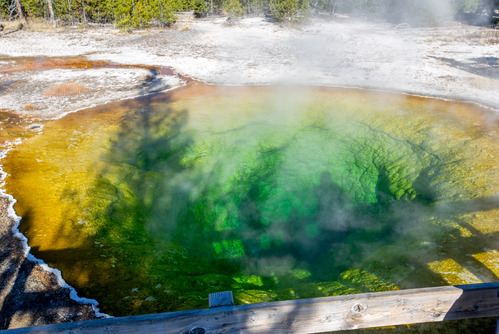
column 44, row 63
column 26, row 84
column 14, row 125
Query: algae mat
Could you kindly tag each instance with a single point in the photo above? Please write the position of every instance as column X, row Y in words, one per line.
column 275, row 193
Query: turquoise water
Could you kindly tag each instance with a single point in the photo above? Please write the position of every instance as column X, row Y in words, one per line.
column 272, row 194
column 262, row 201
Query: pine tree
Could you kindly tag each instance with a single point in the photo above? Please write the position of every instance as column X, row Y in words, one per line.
column 234, row 9
column 284, row 10
column 200, row 8
column 164, row 11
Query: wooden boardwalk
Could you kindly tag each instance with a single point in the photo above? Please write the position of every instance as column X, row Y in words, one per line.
column 314, row 315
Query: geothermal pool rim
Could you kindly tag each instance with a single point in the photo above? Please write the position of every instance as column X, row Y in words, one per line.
column 315, row 315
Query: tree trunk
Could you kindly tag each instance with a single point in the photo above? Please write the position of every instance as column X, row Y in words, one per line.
column 51, row 12
column 333, row 10
column 71, row 12
column 20, row 11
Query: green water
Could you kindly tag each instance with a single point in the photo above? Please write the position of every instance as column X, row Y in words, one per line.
column 273, row 195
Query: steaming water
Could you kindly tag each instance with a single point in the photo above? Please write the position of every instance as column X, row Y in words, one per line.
column 274, row 193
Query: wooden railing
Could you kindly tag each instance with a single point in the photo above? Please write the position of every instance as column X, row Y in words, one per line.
column 315, row 315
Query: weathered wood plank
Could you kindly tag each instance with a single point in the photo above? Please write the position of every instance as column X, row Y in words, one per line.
column 307, row 315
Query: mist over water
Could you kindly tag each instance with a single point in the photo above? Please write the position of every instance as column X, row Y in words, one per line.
column 413, row 13
column 275, row 195
column 271, row 193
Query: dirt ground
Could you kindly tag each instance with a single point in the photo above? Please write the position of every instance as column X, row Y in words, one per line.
column 454, row 61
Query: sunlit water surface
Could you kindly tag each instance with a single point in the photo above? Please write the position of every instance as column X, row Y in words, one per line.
column 149, row 205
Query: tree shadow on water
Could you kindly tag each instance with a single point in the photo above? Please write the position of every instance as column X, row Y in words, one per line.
column 437, row 224
column 136, row 203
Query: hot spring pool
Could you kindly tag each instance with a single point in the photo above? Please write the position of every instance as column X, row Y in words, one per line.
column 274, row 193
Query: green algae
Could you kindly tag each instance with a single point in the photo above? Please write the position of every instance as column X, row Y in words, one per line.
column 273, row 194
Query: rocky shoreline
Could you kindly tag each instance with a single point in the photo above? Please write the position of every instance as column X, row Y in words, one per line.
column 30, row 293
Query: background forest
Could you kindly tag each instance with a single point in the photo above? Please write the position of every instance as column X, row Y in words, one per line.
column 147, row 13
